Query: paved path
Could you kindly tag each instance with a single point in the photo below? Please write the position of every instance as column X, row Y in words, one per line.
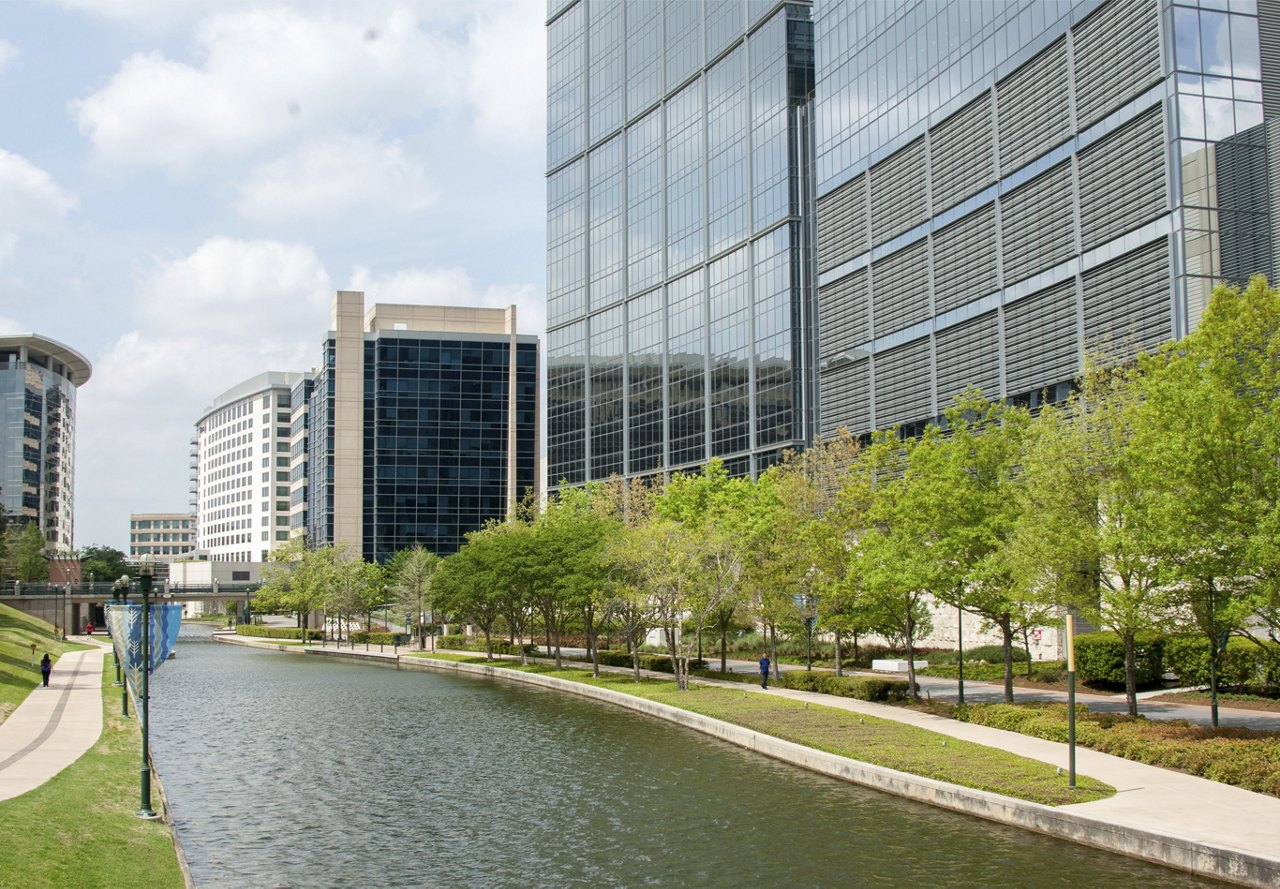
column 54, row 726
column 974, row 691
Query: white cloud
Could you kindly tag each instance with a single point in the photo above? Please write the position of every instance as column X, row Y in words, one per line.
column 325, row 179
column 205, row 322
column 29, row 201
column 452, row 287
column 266, row 75
column 8, row 53
column 9, row 326
column 507, row 82
column 236, row 291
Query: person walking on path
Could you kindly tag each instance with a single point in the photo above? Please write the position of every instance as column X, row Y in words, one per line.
column 764, row 670
column 46, row 667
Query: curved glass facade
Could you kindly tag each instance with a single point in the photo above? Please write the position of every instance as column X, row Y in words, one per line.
column 38, row 380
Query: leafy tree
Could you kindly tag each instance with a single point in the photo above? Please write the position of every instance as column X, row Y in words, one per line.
column 411, row 572
column 27, row 553
column 1206, row 435
column 296, row 579
column 103, row 563
column 468, row 583
column 1084, row 530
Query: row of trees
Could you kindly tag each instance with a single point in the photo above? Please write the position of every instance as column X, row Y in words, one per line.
column 340, row 584
column 1147, row 501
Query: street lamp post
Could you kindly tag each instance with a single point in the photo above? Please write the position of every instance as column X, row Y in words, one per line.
column 808, row 603
column 146, row 571
column 120, row 596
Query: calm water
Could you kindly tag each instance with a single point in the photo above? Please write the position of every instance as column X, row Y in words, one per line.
column 284, row 771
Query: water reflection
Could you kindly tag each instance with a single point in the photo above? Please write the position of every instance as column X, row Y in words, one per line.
column 289, row 771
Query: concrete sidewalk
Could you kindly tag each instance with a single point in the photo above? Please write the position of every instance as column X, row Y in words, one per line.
column 54, row 726
column 976, row 691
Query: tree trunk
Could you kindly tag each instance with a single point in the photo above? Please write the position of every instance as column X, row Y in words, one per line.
column 855, row 649
column 773, row 653
column 488, row 645
column 1026, row 645
column 675, row 656
column 724, row 634
column 1006, row 635
column 911, row 659
column 559, row 665
column 839, row 653
column 635, row 658
column 1130, row 673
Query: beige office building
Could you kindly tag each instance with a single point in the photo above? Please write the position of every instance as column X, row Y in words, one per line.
column 165, row 535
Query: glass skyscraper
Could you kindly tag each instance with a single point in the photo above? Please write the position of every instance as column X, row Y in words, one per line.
column 1003, row 187
column 679, row 235
column 38, row 382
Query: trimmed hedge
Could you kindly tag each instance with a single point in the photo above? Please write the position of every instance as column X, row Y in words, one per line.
column 659, row 663
column 1241, row 757
column 276, row 632
column 462, row 643
column 379, row 637
column 1100, row 658
column 992, row 654
column 1244, row 663
column 863, row 688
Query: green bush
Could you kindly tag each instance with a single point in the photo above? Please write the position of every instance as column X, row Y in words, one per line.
column 863, row 688
column 276, row 632
column 1244, row 663
column 378, row 637
column 992, row 654
column 456, row 641
column 1100, row 658
column 1241, row 757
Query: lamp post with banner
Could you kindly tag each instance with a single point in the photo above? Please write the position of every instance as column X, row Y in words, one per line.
column 146, row 573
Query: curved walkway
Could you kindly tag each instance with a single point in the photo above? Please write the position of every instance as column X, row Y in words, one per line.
column 54, row 726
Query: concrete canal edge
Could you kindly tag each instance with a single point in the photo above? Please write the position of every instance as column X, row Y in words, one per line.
column 1180, row 853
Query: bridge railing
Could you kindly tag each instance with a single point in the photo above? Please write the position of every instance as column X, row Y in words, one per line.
column 104, row 590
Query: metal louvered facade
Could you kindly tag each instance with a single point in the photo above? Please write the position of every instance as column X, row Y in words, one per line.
column 1088, row 183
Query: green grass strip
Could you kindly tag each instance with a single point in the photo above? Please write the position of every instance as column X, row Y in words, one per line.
column 18, row 674
column 80, row 828
column 881, row 742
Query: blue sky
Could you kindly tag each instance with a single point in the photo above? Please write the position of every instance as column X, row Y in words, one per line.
column 184, row 183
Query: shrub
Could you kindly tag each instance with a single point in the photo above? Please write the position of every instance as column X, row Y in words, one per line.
column 1241, row 757
column 453, row 641
column 992, row 654
column 1244, row 663
column 276, row 632
column 863, row 688
column 1100, row 658
column 378, row 637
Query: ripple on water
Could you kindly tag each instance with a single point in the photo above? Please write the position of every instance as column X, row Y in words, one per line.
column 285, row 771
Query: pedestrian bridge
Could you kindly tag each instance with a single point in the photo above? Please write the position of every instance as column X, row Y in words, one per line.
column 77, row 604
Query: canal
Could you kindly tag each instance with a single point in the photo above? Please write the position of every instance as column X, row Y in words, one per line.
column 284, row 771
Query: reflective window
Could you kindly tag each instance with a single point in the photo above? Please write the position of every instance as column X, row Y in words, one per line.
column 608, row 214
column 644, row 380
column 687, row 369
column 566, row 85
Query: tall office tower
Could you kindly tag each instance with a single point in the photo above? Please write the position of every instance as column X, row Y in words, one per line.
column 38, row 382
column 299, row 455
column 1003, row 187
column 422, row 425
column 678, row 237
column 240, row 470
column 165, row 535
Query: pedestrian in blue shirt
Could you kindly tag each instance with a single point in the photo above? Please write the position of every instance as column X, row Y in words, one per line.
column 764, row 670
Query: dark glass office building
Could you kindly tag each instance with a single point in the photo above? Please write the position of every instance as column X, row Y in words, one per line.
column 679, row 235
column 422, row 425
column 1003, row 187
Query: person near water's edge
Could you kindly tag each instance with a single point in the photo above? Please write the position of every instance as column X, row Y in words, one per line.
column 46, row 667
column 764, row 671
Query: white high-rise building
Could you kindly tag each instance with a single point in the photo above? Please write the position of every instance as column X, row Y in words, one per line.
column 240, row 470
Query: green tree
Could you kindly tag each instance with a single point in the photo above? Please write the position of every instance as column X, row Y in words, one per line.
column 1083, row 537
column 411, row 571
column 469, row 584
column 1206, row 436
column 296, row 579
column 27, row 553
column 103, row 563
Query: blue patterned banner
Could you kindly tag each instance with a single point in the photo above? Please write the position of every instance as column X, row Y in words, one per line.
column 125, row 624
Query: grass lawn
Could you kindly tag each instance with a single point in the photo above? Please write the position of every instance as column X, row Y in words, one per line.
column 865, row 738
column 80, row 829
column 17, row 675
